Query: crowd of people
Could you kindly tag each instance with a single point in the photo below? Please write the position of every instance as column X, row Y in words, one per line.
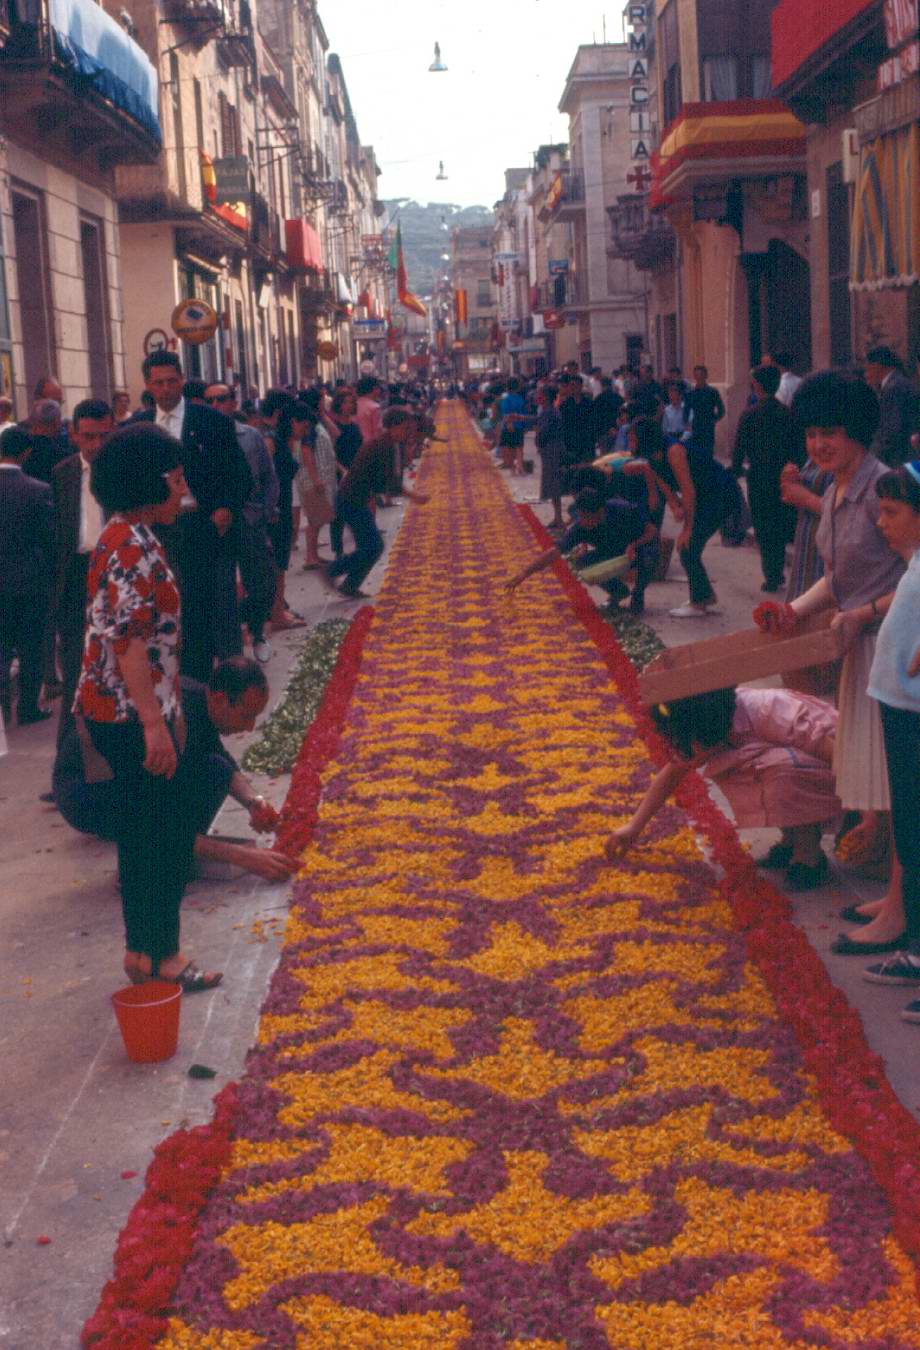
column 832, row 468
column 140, row 553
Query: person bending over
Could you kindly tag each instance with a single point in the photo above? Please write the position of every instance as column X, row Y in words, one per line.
column 370, row 473
column 230, row 703
column 604, row 528
column 770, row 752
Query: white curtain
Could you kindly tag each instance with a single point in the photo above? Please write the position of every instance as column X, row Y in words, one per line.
column 720, row 76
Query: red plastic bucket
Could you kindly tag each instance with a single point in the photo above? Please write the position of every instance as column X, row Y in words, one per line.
column 148, row 1018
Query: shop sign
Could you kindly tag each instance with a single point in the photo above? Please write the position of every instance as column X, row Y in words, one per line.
column 232, row 180
column 195, row 321
column 553, row 318
column 505, row 259
column 327, row 351
column 558, row 266
column 157, row 340
column 902, row 22
column 636, row 18
column 369, row 330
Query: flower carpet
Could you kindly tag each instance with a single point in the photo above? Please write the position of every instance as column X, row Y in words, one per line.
column 505, row 1094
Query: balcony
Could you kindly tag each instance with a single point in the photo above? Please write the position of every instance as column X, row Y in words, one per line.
column 318, row 292
column 566, row 291
column 565, row 199
column 81, row 84
column 710, row 144
column 266, row 233
column 203, row 18
column 639, row 235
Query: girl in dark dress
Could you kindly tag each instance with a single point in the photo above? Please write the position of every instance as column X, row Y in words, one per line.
column 707, row 491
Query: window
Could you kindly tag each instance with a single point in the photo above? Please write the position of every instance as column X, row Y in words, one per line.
column 32, row 275
column 229, row 127
column 199, row 114
column 838, row 267
column 761, row 76
column 720, row 79
column 483, row 293
column 734, row 40
column 669, row 44
column 92, row 252
column 242, row 367
column 175, row 89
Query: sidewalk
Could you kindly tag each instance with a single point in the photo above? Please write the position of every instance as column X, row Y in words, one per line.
column 736, row 577
column 75, row 1112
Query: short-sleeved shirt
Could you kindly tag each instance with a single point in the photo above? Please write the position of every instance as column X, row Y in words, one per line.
column 621, row 525
column 898, row 640
column 131, row 594
column 370, row 472
column 859, row 564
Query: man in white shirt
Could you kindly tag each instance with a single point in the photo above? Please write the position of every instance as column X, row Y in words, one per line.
column 202, row 549
column 789, row 381
column 78, row 523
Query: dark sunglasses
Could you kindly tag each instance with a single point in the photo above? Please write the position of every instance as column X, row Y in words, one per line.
column 220, row 398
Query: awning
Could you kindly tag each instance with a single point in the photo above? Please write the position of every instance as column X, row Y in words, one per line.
column 885, row 241
column 97, row 47
column 303, row 246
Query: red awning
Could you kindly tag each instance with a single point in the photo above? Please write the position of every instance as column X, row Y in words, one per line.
column 799, row 31
column 303, row 247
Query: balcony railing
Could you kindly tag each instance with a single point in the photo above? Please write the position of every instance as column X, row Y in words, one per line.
column 566, row 291
column 82, row 81
column 318, row 291
column 638, row 234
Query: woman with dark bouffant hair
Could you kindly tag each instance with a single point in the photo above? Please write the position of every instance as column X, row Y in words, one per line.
column 839, row 415
column 128, row 695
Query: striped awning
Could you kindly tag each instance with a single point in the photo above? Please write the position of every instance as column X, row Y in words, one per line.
column 885, row 247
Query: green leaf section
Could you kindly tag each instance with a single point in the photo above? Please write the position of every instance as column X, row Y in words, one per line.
column 276, row 750
column 640, row 642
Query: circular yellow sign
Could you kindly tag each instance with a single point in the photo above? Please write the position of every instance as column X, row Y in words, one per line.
column 195, row 321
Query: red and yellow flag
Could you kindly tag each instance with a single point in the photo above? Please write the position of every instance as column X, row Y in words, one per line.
column 403, row 294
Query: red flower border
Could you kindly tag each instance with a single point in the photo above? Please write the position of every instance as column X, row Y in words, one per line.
column 854, row 1092
column 157, row 1240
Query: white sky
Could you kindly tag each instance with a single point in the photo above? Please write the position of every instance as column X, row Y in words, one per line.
column 507, row 62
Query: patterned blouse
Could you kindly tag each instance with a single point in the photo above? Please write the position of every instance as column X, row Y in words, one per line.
column 131, row 594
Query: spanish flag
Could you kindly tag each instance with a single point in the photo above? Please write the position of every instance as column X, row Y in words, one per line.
column 403, row 294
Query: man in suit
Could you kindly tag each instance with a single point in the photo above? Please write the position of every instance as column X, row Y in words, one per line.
column 26, row 561
column 78, row 523
column 205, row 546
column 257, row 566
column 897, row 405
column 766, row 440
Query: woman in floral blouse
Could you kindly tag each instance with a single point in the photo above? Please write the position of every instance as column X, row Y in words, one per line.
column 128, row 694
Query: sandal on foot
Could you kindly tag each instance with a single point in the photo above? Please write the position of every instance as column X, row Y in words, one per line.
column 194, row 980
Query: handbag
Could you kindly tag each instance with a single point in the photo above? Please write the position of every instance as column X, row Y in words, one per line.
column 317, row 506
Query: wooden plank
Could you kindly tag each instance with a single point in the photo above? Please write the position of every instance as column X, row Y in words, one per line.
column 721, row 663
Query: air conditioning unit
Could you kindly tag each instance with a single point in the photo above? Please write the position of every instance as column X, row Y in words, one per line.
column 850, row 155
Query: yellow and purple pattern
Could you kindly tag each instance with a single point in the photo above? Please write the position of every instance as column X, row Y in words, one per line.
column 505, row 1095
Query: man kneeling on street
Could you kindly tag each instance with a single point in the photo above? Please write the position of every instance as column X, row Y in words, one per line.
column 234, row 697
column 604, row 529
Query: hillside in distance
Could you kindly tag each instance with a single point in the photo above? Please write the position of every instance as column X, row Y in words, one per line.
column 426, row 235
